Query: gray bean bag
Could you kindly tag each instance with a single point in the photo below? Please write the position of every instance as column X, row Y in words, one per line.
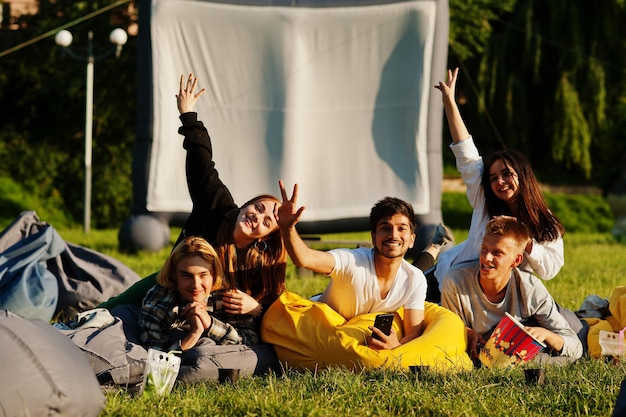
column 117, row 357
column 43, row 373
column 112, row 350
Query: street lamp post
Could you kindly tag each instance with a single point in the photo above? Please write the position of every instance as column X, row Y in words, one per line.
column 64, row 39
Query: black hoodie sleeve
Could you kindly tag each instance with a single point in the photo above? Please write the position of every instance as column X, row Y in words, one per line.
column 211, row 198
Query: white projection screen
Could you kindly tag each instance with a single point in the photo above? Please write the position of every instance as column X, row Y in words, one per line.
column 335, row 96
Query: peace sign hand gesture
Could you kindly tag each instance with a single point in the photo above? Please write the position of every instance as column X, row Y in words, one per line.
column 449, row 87
column 288, row 215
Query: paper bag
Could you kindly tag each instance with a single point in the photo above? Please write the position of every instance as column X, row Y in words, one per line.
column 612, row 343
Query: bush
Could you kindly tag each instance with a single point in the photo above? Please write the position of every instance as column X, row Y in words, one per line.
column 586, row 213
column 14, row 200
column 456, row 210
column 578, row 212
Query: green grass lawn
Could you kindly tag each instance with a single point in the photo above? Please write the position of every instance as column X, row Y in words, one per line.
column 587, row 388
column 594, row 265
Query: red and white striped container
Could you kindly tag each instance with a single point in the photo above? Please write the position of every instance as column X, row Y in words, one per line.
column 509, row 345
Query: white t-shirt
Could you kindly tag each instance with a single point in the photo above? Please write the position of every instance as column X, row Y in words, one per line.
column 354, row 289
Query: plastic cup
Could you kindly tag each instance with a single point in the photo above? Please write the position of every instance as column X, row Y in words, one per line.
column 535, row 376
column 419, row 369
column 228, row 375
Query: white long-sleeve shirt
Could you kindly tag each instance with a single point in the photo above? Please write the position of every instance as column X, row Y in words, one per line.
column 545, row 259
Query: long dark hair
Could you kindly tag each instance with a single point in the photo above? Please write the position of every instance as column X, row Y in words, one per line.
column 532, row 208
column 259, row 269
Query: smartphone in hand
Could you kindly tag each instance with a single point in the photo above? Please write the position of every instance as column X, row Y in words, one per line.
column 383, row 322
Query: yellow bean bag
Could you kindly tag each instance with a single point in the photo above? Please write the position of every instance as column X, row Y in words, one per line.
column 613, row 323
column 311, row 335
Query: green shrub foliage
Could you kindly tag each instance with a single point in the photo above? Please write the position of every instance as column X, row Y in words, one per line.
column 578, row 212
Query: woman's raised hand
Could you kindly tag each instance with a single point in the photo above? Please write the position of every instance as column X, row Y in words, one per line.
column 288, row 215
column 449, row 87
column 458, row 130
column 187, row 96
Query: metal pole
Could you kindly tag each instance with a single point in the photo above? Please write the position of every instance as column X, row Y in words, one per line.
column 88, row 132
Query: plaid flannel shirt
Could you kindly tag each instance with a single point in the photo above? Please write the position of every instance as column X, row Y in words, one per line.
column 160, row 317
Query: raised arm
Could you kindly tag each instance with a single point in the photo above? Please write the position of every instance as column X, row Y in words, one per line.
column 211, row 198
column 458, row 130
column 302, row 256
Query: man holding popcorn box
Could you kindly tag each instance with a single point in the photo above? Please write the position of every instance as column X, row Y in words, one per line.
column 510, row 316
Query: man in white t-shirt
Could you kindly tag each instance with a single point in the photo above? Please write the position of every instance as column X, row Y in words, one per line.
column 366, row 280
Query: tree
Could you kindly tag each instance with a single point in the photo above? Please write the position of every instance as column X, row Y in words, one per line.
column 551, row 83
column 471, row 24
column 43, row 127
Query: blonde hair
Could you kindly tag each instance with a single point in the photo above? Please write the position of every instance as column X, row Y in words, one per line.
column 191, row 246
column 509, row 226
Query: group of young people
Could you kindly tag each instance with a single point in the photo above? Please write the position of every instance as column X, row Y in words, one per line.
column 241, row 253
